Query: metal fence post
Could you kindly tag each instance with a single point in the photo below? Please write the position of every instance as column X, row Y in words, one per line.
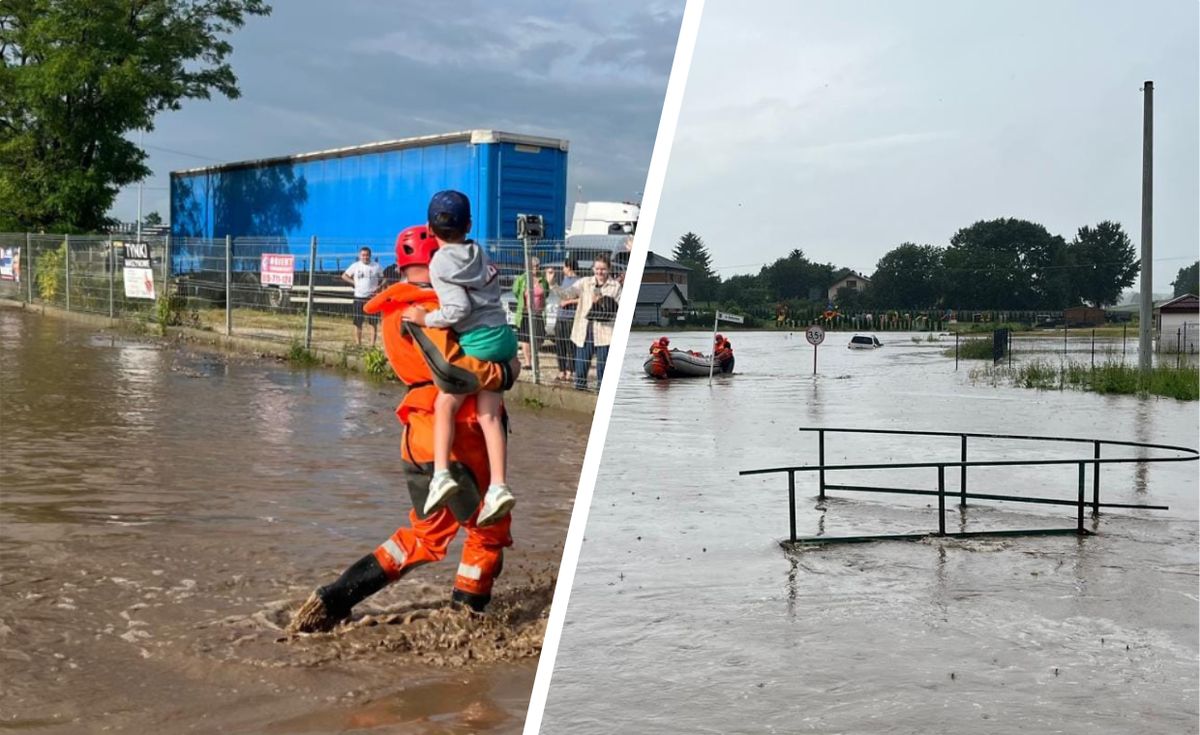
column 1079, row 528
column 228, row 284
column 821, row 462
column 308, row 311
column 112, row 275
column 941, row 500
column 29, row 263
column 166, row 262
column 67, row 268
column 1096, row 483
column 534, row 342
column 962, row 482
column 792, row 502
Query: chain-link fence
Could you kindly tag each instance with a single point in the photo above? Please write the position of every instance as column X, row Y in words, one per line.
column 293, row 291
column 94, row 274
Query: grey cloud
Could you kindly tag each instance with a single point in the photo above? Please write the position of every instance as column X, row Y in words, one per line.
column 312, row 81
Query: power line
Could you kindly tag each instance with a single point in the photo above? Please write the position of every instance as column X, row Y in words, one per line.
column 182, row 153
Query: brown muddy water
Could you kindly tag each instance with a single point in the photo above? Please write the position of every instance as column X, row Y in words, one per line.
column 687, row 616
column 164, row 509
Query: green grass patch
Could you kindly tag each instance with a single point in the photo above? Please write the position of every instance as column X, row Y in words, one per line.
column 979, row 327
column 972, row 349
column 1111, row 378
column 376, row 364
column 298, row 355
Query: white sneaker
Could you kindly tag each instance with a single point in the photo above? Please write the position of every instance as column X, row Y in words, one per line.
column 497, row 503
column 441, row 489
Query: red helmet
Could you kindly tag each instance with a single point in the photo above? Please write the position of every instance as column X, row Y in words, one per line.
column 718, row 338
column 664, row 341
column 415, row 246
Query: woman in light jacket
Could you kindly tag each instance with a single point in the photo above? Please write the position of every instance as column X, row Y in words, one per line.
column 592, row 330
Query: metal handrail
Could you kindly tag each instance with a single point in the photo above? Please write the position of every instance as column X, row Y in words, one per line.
column 1190, row 455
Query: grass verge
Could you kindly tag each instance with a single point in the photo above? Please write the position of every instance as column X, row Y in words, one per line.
column 1112, row 378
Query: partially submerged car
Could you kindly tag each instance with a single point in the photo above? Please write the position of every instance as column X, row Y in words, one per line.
column 864, row 342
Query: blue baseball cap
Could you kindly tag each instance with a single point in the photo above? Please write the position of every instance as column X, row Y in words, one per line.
column 451, row 210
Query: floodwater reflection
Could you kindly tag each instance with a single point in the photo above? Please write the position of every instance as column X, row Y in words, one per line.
column 997, row 635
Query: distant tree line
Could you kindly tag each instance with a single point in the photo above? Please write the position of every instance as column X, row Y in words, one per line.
column 1007, row 264
column 1188, row 280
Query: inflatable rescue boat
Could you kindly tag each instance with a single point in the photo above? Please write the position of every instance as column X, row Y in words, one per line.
column 684, row 365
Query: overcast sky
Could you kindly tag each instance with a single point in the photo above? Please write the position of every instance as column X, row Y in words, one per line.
column 316, row 75
column 845, row 128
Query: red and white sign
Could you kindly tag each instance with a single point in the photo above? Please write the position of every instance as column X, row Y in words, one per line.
column 278, row 270
column 815, row 335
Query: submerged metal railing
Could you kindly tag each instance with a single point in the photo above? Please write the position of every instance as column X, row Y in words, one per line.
column 1080, row 502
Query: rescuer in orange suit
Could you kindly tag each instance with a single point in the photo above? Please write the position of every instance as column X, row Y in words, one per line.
column 425, row 359
column 661, row 350
column 723, row 353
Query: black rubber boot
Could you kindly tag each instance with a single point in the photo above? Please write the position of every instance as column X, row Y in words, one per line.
column 364, row 578
column 477, row 603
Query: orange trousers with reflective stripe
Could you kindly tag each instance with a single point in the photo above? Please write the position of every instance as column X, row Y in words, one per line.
column 425, row 539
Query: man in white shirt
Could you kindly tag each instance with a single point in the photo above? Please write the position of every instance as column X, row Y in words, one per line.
column 366, row 277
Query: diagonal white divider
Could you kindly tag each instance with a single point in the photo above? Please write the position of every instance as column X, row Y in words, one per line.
column 656, row 174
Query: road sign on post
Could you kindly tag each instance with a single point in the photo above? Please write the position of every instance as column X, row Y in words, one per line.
column 720, row 317
column 815, row 336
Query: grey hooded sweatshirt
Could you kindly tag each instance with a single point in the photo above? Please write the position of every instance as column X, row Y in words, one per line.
column 468, row 289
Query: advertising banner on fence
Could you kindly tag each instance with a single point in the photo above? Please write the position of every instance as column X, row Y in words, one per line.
column 278, row 269
column 10, row 264
column 139, row 277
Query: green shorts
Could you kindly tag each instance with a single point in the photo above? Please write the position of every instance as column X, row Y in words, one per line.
column 494, row 344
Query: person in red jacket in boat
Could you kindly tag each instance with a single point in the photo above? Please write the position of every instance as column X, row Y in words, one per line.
column 661, row 351
column 723, row 353
column 425, row 359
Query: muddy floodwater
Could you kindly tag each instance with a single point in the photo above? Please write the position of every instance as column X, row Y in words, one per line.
column 163, row 509
column 687, row 616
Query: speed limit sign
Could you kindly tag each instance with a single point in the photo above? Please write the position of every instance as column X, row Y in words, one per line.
column 815, row 335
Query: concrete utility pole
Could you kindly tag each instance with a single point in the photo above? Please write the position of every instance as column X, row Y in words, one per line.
column 1146, row 312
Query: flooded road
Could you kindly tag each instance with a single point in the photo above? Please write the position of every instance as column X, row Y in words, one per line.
column 687, row 616
column 164, row 508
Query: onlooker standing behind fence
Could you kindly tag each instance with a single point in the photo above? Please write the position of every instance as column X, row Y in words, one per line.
column 366, row 277
column 535, row 300
column 564, row 349
column 594, row 316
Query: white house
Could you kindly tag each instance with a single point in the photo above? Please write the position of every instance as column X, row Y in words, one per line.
column 847, row 278
column 1177, row 324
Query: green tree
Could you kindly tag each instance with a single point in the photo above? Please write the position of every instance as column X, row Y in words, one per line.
column 703, row 283
column 153, row 219
column 796, row 277
column 1005, row 264
column 909, row 276
column 76, row 77
column 1102, row 263
column 1188, row 280
column 745, row 291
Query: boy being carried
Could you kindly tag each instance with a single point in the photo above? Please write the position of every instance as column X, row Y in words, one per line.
column 468, row 291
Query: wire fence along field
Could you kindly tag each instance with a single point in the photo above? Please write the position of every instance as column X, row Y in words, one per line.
column 286, row 291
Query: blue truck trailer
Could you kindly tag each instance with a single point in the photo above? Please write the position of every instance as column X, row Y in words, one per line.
column 368, row 193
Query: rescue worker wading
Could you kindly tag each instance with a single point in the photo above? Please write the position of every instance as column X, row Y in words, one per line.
column 723, row 354
column 425, row 358
column 662, row 365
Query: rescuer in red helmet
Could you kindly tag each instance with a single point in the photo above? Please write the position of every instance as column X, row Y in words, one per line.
column 723, row 353
column 423, row 357
column 662, row 364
